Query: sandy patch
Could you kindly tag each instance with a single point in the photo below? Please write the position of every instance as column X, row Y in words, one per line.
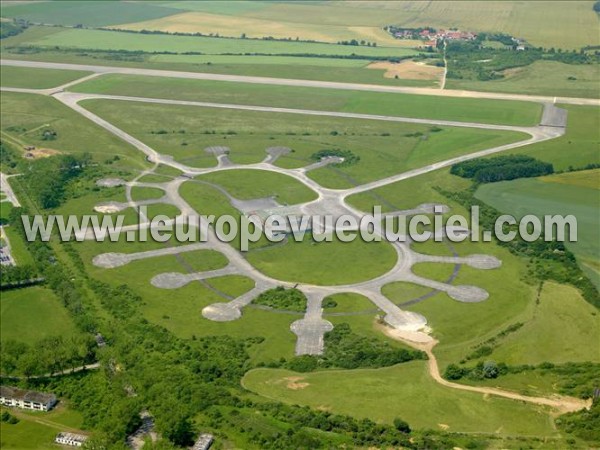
column 107, row 209
column 295, row 383
column 416, row 338
column 37, row 153
column 511, row 72
column 408, row 70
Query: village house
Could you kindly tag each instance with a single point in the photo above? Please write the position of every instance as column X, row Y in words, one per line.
column 72, row 439
column 21, row 398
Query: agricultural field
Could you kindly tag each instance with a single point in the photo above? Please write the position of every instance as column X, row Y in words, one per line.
column 543, row 78
column 155, row 43
column 335, row 21
column 81, row 12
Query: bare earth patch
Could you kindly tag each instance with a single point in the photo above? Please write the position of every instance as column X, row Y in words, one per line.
column 408, row 70
column 294, row 383
column 37, row 153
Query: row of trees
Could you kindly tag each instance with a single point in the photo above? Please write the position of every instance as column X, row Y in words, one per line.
column 575, row 379
column 49, row 355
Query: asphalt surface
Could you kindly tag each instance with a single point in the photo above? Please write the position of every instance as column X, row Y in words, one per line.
column 310, row 330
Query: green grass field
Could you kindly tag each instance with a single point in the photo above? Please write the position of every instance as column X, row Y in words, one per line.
column 25, row 115
column 113, row 40
column 250, row 184
column 37, row 430
column 543, row 78
column 577, row 147
column 322, row 263
column 575, row 193
column 21, row 77
column 92, row 14
column 405, row 391
column 560, row 307
column 139, row 193
column 418, row 106
column 384, row 148
column 32, row 313
column 409, row 193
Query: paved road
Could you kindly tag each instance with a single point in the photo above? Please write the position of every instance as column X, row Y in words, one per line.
column 5, row 187
column 292, row 82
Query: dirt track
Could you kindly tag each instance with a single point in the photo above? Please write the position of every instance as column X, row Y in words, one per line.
column 421, row 341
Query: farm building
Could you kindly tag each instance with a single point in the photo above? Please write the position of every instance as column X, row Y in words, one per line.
column 21, row 398
column 72, row 439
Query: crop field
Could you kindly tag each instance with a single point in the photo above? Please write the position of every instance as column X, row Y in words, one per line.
column 114, row 40
column 235, row 25
column 21, row 77
column 562, row 21
column 404, row 390
column 501, row 112
column 37, row 304
column 384, row 148
column 543, row 78
column 575, row 193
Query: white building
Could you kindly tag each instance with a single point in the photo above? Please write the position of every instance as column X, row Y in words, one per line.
column 72, row 439
column 21, row 398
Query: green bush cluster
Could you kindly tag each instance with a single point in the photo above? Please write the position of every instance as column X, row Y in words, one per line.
column 282, row 299
column 347, row 350
column 501, row 168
